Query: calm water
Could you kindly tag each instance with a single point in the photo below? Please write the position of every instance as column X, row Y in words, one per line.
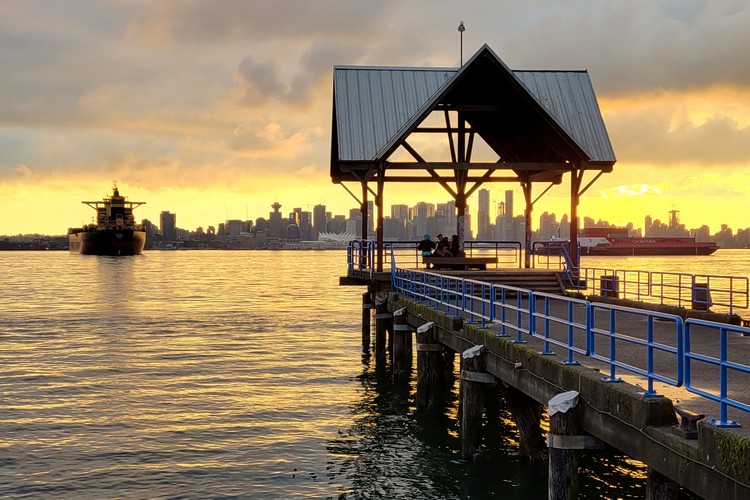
column 202, row 374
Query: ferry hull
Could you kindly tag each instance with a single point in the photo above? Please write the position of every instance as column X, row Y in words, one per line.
column 625, row 251
column 107, row 242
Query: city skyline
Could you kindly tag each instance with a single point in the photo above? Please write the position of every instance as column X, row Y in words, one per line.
column 214, row 108
column 497, row 209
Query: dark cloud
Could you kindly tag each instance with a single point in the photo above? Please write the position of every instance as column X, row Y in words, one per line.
column 261, row 81
column 206, row 21
column 631, row 46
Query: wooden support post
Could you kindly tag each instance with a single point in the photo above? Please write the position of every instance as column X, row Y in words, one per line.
column 563, row 463
column 381, row 319
column 401, row 354
column 473, row 380
column 527, row 414
column 660, row 487
column 493, row 403
column 432, row 369
column 366, row 320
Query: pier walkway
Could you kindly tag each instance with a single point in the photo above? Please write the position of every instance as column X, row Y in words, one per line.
column 633, row 368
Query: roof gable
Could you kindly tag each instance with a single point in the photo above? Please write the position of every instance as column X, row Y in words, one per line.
column 536, row 116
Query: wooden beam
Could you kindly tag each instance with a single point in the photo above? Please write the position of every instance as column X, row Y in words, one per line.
column 415, row 178
column 466, row 165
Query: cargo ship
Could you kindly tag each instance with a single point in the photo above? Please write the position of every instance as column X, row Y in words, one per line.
column 114, row 232
column 615, row 241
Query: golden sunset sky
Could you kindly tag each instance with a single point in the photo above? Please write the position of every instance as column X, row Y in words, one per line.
column 215, row 109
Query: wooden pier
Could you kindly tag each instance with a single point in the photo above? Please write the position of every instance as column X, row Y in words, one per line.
column 710, row 461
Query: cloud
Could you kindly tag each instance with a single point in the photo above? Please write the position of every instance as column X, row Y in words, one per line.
column 630, row 190
column 216, row 93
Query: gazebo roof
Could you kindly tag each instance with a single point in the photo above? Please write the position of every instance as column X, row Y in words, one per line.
column 545, row 121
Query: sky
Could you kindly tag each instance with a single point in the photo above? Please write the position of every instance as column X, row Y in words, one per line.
column 214, row 110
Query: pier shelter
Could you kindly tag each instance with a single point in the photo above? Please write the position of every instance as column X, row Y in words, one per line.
column 464, row 127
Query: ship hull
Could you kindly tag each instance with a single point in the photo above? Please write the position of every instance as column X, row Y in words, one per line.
column 107, row 242
column 629, row 251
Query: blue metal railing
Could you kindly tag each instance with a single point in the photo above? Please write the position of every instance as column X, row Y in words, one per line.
column 614, row 336
column 360, row 257
column 696, row 291
column 725, row 366
column 576, row 320
column 663, row 355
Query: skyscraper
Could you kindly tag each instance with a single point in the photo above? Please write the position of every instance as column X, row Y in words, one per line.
column 320, row 221
column 483, row 216
column 168, row 223
column 509, row 203
column 276, row 226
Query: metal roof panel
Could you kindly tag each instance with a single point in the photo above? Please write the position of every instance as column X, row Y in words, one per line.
column 569, row 97
column 374, row 103
column 374, row 106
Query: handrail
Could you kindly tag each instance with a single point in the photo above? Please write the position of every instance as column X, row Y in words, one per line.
column 696, row 291
column 543, row 315
column 580, row 328
column 724, row 365
column 614, row 335
column 507, row 253
column 360, row 257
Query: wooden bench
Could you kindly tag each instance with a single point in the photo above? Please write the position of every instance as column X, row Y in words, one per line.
column 464, row 263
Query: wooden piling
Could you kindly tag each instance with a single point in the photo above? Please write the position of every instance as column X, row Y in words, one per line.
column 381, row 318
column 493, row 403
column 563, row 463
column 527, row 414
column 401, row 353
column 366, row 320
column 432, row 370
column 473, row 380
column 660, row 487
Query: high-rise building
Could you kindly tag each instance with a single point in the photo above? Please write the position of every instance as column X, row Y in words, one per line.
column 276, row 225
column 233, row 228
column 548, row 226
column 509, row 203
column 168, row 223
column 423, row 218
column 484, row 229
column 400, row 216
column 320, row 221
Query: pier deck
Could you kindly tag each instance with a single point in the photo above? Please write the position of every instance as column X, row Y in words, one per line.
column 716, row 465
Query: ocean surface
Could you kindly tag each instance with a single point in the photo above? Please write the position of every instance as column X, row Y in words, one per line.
column 234, row 374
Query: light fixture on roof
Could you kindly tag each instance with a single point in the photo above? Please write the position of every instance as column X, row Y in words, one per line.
column 461, row 30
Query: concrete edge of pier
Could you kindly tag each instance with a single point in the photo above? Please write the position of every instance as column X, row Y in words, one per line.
column 716, row 465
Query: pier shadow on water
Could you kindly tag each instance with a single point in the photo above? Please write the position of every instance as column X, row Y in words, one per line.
column 394, row 451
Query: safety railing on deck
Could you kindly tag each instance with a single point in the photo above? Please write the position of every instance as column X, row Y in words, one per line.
column 694, row 291
column 722, row 362
column 597, row 330
column 360, row 257
column 670, row 327
column 507, row 253
column 697, row 291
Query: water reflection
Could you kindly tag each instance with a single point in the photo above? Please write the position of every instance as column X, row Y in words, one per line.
column 393, row 451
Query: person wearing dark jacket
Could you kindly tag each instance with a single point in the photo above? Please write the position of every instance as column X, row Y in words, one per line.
column 426, row 246
column 454, row 245
column 443, row 248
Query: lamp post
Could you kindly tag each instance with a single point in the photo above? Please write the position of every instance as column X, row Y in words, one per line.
column 461, row 30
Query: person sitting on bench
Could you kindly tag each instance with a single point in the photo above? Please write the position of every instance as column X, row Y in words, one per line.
column 443, row 248
column 426, row 246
